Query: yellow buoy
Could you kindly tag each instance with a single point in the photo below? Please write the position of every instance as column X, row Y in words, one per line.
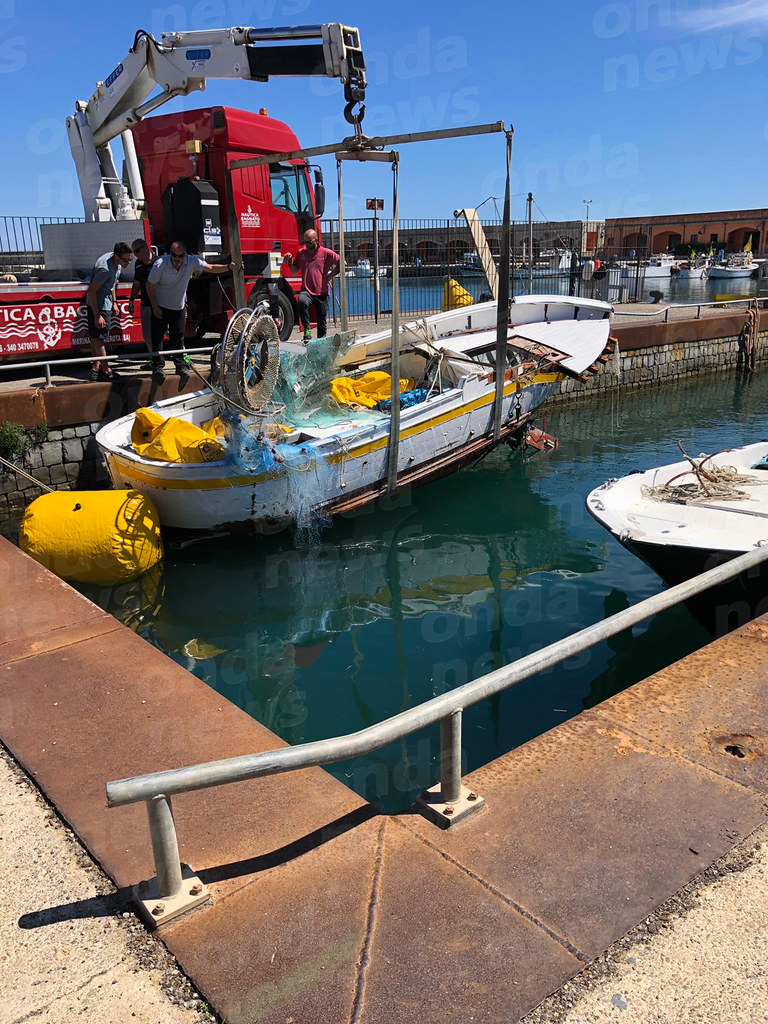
column 454, row 296
column 102, row 537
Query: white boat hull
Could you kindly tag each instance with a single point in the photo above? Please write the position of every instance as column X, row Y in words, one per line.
column 731, row 273
column 692, row 273
column 339, row 467
column 734, row 526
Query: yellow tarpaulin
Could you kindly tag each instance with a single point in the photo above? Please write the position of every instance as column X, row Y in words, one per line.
column 367, row 390
column 176, row 440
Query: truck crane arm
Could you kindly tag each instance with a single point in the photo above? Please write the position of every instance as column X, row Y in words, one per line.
column 181, row 63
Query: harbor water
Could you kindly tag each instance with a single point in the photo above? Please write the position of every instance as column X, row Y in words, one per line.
column 387, row 608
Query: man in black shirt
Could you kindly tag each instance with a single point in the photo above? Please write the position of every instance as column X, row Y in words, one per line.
column 144, row 262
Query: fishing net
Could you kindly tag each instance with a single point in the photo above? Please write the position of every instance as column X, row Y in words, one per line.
column 268, row 441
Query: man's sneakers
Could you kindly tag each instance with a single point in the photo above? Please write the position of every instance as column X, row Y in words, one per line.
column 307, row 336
column 184, row 370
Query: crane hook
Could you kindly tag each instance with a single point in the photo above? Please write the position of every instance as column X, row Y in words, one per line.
column 353, row 118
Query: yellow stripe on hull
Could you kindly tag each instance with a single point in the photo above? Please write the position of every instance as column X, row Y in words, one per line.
column 137, row 476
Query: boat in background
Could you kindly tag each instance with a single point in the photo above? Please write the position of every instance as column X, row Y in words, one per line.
column 694, row 269
column 551, row 264
column 661, row 266
column 364, row 268
column 737, row 264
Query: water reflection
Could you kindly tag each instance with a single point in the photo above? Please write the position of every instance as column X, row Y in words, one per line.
column 395, row 605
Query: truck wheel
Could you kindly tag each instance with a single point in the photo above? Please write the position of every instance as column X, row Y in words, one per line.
column 260, row 300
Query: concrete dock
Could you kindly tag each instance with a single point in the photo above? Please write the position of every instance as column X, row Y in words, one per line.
column 325, row 910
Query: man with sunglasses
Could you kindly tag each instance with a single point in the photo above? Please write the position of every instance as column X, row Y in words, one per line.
column 167, row 289
column 100, row 301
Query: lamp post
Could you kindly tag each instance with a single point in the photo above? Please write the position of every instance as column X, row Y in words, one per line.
column 375, row 205
column 586, row 223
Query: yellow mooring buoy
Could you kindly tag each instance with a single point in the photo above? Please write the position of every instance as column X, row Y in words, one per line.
column 102, row 537
column 454, row 296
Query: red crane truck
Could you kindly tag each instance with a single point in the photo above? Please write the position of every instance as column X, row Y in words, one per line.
column 177, row 182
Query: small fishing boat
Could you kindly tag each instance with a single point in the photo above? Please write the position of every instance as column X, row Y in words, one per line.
column 695, row 269
column 364, row 268
column 689, row 516
column 737, row 265
column 309, row 454
column 656, row 267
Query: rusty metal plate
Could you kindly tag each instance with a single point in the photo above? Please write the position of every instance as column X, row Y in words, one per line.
column 589, row 828
column 375, row 926
column 712, row 707
column 113, row 706
column 35, row 602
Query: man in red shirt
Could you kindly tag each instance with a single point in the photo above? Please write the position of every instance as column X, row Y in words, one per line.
column 317, row 265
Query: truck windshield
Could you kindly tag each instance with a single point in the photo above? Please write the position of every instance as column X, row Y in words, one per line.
column 289, row 188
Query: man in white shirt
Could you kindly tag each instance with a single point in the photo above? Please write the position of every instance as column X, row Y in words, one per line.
column 167, row 289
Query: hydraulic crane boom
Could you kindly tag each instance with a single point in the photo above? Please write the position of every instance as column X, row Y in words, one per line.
column 181, row 63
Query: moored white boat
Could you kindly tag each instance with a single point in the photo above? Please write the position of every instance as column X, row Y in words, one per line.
column 342, row 460
column 694, row 270
column 681, row 521
column 655, row 267
column 737, row 265
column 364, row 268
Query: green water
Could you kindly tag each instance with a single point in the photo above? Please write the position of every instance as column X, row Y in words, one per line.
column 397, row 604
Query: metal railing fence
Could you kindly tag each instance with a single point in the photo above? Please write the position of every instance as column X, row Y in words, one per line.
column 44, row 367
column 21, row 244
column 158, row 788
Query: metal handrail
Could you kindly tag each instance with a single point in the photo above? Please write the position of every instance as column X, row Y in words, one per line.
column 46, row 365
column 690, row 305
column 157, row 788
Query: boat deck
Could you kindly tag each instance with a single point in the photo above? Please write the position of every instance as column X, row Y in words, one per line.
column 326, row 911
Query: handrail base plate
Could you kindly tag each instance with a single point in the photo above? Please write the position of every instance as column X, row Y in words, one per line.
column 432, row 806
column 157, row 910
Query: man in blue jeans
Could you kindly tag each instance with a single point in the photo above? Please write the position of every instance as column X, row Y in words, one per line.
column 167, row 289
column 317, row 266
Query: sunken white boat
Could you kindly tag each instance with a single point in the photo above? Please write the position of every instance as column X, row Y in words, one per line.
column 692, row 515
column 302, row 454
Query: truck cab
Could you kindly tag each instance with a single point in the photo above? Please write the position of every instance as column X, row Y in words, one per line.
column 184, row 158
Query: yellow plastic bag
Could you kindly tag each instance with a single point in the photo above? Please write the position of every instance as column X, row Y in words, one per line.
column 367, row 390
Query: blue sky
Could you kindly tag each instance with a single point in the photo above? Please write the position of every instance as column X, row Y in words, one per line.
column 644, row 107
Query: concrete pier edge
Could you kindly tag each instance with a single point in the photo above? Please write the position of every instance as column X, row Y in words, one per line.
column 325, row 910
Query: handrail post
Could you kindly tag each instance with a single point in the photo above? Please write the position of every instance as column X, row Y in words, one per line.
column 450, row 757
column 449, row 801
column 165, row 847
column 174, row 889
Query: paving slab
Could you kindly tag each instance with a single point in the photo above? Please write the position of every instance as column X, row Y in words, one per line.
column 110, row 706
column 711, row 708
column 375, row 926
column 35, row 601
column 589, row 829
